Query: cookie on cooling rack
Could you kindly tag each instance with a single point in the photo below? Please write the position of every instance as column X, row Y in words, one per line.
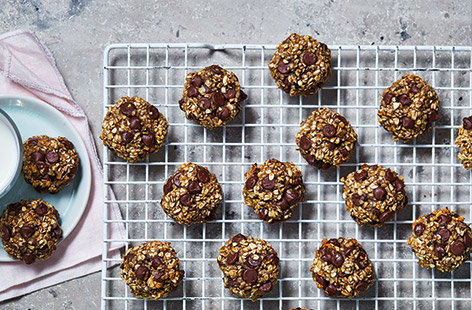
column 212, row 97
column 133, row 128
column 250, row 266
column 326, row 139
column 464, row 142
column 408, row 108
column 273, row 190
column 191, row 195
column 441, row 239
column 300, row 65
column 49, row 164
column 341, row 268
column 151, row 270
column 373, row 194
column 30, row 230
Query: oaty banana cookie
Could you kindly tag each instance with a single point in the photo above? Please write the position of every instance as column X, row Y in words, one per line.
column 191, row 195
column 273, row 190
column 373, row 194
column 133, row 128
column 408, row 108
column 300, row 65
column 250, row 266
column 464, row 142
column 441, row 239
column 49, row 164
column 30, row 230
column 212, row 97
column 326, row 139
column 341, row 268
column 151, row 270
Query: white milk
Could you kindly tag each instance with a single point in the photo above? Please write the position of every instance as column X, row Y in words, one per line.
column 9, row 153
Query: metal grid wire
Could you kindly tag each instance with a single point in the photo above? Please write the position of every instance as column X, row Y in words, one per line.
column 266, row 128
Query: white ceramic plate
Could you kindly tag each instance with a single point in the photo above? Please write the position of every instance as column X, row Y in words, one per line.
column 34, row 117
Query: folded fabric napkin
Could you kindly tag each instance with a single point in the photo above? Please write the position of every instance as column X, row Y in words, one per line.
column 28, row 68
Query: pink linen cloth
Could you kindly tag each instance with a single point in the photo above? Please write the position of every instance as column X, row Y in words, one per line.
column 28, row 68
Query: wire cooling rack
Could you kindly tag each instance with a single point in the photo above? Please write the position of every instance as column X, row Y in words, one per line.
column 266, row 128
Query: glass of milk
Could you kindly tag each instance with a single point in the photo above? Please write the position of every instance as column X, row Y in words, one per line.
column 11, row 153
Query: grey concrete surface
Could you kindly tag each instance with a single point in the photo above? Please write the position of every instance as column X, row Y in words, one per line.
column 78, row 30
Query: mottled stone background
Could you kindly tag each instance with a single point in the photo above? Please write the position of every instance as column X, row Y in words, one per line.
column 78, row 30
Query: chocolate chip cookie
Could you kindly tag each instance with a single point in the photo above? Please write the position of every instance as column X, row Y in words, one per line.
column 326, row 139
column 151, row 270
column 273, row 190
column 373, row 194
column 191, row 195
column 341, row 268
column 30, row 230
column 212, row 97
column 250, row 266
column 133, row 128
column 49, row 164
column 408, row 108
column 300, row 65
column 464, row 142
column 441, row 239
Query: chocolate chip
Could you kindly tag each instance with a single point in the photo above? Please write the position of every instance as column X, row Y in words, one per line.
column 218, row 99
column 224, row 114
column 167, row 187
column 467, row 123
column 361, row 286
column 237, row 238
column 266, row 287
column 250, row 275
column 329, row 131
column 439, row 251
column 141, row 272
column 331, row 290
column 390, row 176
column 37, row 156
column 208, row 90
column 253, row 262
column 309, row 58
column 29, row 258
column 135, row 123
column 361, row 261
column 185, row 199
column 230, row 93
column 33, row 142
column 153, row 112
column 292, row 196
column 361, row 175
column 251, row 182
column 232, row 258
column 321, row 281
column 305, row 143
column 357, row 199
column 126, row 137
column 6, row 234
column 384, row 216
column 27, row 231
column 457, row 247
column 331, row 146
column 380, row 193
column 148, row 139
column 444, row 220
column 197, row 81
column 282, row 204
column 433, row 116
column 337, row 260
column 273, row 258
column 445, row 234
column 467, row 240
column 263, row 214
column 414, row 89
column 156, row 262
column 233, row 282
column 399, row 185
column 268, row 183
column 203, row 175
column 215, row 69
column 348, row 251
column 283, row 67
column 387, row 97
column 52, row 157
column 326, row 257
column 158, row 276
column 407, row 122
column 404, row 100
column 344, row 152
column 194, row 187
column 127, row 108
column 242, row 96
column 205, row 103
column 41, row 209
column 58, row 232
column 192, row 91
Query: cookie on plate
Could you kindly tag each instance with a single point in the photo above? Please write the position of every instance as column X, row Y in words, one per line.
column 212, row 97
column 464, row 142
column 49, row 164
column 273, row 190
column 191, row 195
column 133, row 128
column 300, row 65
column 326, row 139
column 151, row 270
column 30, row 230
column 373, row 194
column 341, row 268
column 250, row 266
column 408, row 108
column 441, row 240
